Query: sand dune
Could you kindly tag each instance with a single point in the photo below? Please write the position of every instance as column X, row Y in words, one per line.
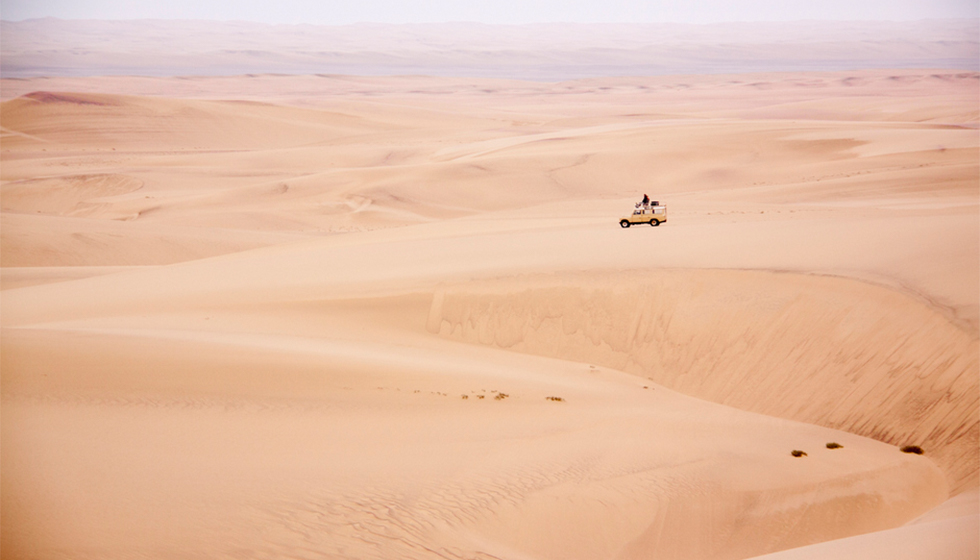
column 936, row 535
column 397, row 317
column 678, row 329
column 111, row 121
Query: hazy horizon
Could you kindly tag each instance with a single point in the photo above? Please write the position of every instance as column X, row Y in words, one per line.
column 538, row 52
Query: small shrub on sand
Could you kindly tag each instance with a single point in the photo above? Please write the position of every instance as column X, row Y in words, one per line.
column 913, row 449
column 479, row 396
column 798, row 453
column 465, row 397
column 500, row 396
column 556, row 399
column 834, row 445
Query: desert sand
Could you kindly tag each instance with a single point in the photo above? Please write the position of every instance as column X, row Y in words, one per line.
column 396, row 317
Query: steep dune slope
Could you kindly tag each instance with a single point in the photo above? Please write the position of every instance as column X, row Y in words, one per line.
column 814, row 349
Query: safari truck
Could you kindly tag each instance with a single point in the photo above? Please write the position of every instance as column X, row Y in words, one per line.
column 652, row 214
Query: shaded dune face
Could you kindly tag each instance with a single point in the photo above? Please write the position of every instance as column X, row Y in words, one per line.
column 48, row 97
column 821, row 350
column 120, row 122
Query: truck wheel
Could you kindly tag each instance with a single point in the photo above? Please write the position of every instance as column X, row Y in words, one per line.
column 654, row 222
column 624, row 223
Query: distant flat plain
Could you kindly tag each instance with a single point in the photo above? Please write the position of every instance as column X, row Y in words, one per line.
column 537, row 52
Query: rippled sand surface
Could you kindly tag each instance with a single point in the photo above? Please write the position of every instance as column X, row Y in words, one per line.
column 396, row 317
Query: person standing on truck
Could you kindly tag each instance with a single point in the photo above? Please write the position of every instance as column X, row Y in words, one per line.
column 646, row 201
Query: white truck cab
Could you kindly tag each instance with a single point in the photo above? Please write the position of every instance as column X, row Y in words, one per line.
column 653, row 214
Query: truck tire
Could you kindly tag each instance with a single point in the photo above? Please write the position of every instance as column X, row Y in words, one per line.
column 624, row 223
column 654, row 222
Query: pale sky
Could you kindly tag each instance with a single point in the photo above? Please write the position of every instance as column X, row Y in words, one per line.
column 337, row 12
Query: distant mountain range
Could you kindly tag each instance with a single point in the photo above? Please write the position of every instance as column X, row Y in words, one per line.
column 547, row 52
